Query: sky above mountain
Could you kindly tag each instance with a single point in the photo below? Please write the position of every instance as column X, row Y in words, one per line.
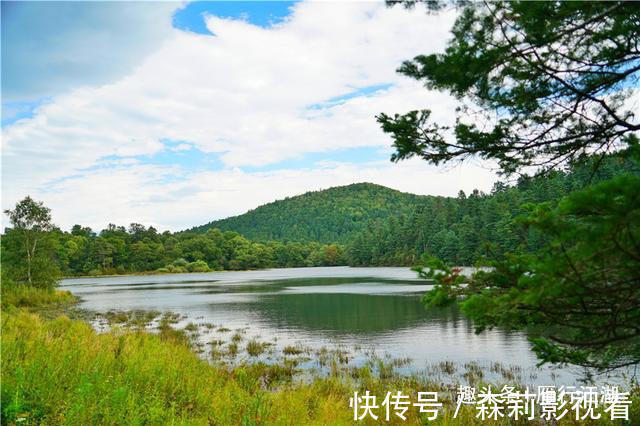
column 176, row 114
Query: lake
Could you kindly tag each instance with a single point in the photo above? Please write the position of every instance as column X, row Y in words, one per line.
column 359, row 310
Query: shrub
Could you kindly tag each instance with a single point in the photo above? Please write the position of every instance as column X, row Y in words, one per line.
column 198, row 266
column 23, row 295
column 180, row 262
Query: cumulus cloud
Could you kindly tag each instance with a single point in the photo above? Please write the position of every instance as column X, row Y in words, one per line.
column 181, row 147
column 152, row 195
column 253, row 96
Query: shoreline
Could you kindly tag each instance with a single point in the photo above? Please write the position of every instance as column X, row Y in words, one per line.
column 248, row 270
column 159, row 368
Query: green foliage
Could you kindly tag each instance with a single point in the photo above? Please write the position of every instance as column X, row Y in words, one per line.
column 435, row 269
column 547, row 80
column 329, row 216
column 300, row 231
column 41, row 268
column 458, row 230
column 198, row 266
column 27, row 247
column 63, row 372
column 583, row 285
column 543, row 85
column 117, row 250
column 466, row 229
column 27, row 296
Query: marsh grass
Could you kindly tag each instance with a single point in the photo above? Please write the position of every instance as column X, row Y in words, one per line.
column 237, row 337
column 447, row 367
column 61, row 371
column 256, row 348
column 191, row 327
column 232, row 349
column 22, row 295
column 130, row 319
column 170, row 318
column 292, row 350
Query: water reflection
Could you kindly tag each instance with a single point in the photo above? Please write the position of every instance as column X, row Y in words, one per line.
column 343, row 313
column 376, row 308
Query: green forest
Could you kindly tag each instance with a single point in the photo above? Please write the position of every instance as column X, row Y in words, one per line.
column 334, row 215
column 359, row 225
column 548, row 94
column 136, row 248
column 477, row 226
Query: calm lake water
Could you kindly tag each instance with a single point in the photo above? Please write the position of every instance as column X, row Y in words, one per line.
column 362, row 310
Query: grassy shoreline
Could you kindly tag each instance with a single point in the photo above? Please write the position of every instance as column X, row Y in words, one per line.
column 61, row 371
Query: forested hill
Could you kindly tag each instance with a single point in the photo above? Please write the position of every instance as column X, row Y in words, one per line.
column 327, row 216
column 464, row 229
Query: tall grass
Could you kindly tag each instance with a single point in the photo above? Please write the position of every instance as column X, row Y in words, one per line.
column 62, row 372
column 22, row 295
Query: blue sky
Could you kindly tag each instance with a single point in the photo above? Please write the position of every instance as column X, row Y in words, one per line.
column 35, row 68
column 190, row 18
column 174, row 114
column 264, row 14
column 13, row 111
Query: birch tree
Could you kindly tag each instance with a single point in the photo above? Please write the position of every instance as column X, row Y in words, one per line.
column 31, row 221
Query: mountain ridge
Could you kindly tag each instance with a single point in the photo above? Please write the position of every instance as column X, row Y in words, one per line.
column 330, row 215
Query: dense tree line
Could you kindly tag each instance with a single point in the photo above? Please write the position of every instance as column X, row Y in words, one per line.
column 459, row 230
column 333, row 215
column 463, row 230
column 543, row 85
column 119, row 250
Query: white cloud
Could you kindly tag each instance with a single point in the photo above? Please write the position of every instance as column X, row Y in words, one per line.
column 244, row 94
column 150, row 194
column 182, row 147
